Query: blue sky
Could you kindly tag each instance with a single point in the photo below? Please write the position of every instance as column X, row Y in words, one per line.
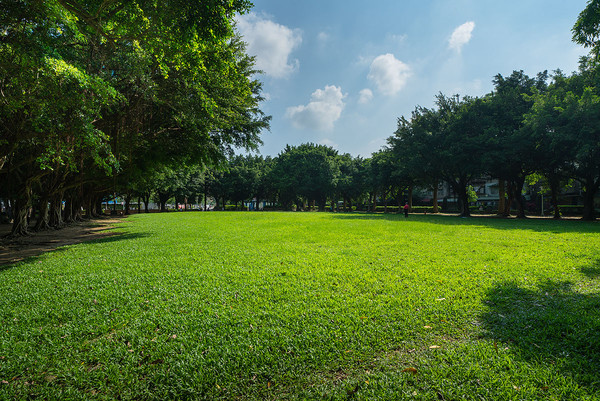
column 340, row 73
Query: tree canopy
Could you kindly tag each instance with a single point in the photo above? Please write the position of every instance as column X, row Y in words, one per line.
column 97, row 92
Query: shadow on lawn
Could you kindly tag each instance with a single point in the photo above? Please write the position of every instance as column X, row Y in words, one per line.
column 553, row 325
column 592, row 271
column 31, row 252
column 539, row 225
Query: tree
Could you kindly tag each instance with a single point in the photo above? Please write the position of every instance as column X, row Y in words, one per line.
column 510, row 143
column 460, row 139
column 586, row 30
column 414, row 144
column 351, row 183
column 567, row 118
column 95, row 91
column 308, row 171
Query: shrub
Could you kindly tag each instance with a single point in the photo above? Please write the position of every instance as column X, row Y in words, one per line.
column 390, row 209
column 424, row 209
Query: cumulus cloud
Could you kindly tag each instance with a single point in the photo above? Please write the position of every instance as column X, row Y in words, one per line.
column 328, row 142
column 323, row 110
column 365, row 96
column 271, row 43
column 389, row 74
column 461, row 36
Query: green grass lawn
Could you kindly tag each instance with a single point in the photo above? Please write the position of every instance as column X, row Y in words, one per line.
column 308, row 306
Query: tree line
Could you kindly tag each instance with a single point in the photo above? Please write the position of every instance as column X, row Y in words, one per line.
column 543, row 128
column 95, row 95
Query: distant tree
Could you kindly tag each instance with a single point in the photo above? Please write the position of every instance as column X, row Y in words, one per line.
column 461, row 142
column 510, row 143
column 351, row 183
column 388, row 178
column 415, row 144
column 308, row 171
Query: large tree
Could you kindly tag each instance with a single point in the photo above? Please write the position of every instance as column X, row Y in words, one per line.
column 95, row 91
column 460, row 141
column 416, row 145
column 510, row 143
column 567, row 119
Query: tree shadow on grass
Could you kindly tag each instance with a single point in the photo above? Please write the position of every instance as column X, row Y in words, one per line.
column 9, row 257
column 592, row 271
column 552, row 325
column 494, row 222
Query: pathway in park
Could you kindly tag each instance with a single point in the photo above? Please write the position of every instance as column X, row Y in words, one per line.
column 16, row 249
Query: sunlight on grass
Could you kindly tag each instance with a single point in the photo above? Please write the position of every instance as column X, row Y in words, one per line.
column 308, row 305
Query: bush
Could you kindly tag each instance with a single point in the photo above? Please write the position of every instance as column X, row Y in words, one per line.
column 570, row 210
column 424, row 209
column 390, row 209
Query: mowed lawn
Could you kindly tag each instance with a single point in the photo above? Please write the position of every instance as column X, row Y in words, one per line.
column 253, row 305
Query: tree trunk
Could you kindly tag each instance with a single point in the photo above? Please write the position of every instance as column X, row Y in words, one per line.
column 460, row 189
column 588, row 200
column 97, row 206
column 127, row 204
column 436, row 207
column 20, row 225
column 21, row 204
column 146, row 202
column 88, row 204
column 385, row 202
column 554, row 185
column 162, row 199
column 43, row 220
column 410, row 197
column 501, row 197
column 518, row 194
column 509, row 199
column 374, row 207
column 56, row 217
column 76, row 208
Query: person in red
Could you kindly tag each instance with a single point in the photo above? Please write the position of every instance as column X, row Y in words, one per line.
column 406, row 210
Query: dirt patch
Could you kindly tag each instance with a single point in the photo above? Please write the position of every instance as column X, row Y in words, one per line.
column 16, row 249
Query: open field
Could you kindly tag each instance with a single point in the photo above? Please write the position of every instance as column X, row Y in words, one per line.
column 308, row 305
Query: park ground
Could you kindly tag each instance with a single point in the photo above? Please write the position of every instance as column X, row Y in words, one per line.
column 305, row 306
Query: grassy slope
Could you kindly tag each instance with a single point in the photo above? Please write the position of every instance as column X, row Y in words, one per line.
column 299, row 305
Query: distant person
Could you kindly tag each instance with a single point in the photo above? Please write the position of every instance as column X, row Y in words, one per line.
column 406, row 210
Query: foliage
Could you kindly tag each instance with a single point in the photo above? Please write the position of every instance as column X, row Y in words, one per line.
column 97, row 93
column 586, row 30
column 306, row 171
column 567, row 117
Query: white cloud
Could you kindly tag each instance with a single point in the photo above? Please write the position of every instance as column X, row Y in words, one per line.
column 389, row 74
column 323, row 110
column 397, row 39
column 328, row 142
column 461, row 36
column 365, row 96
column 323, row 37
column 271, row 43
